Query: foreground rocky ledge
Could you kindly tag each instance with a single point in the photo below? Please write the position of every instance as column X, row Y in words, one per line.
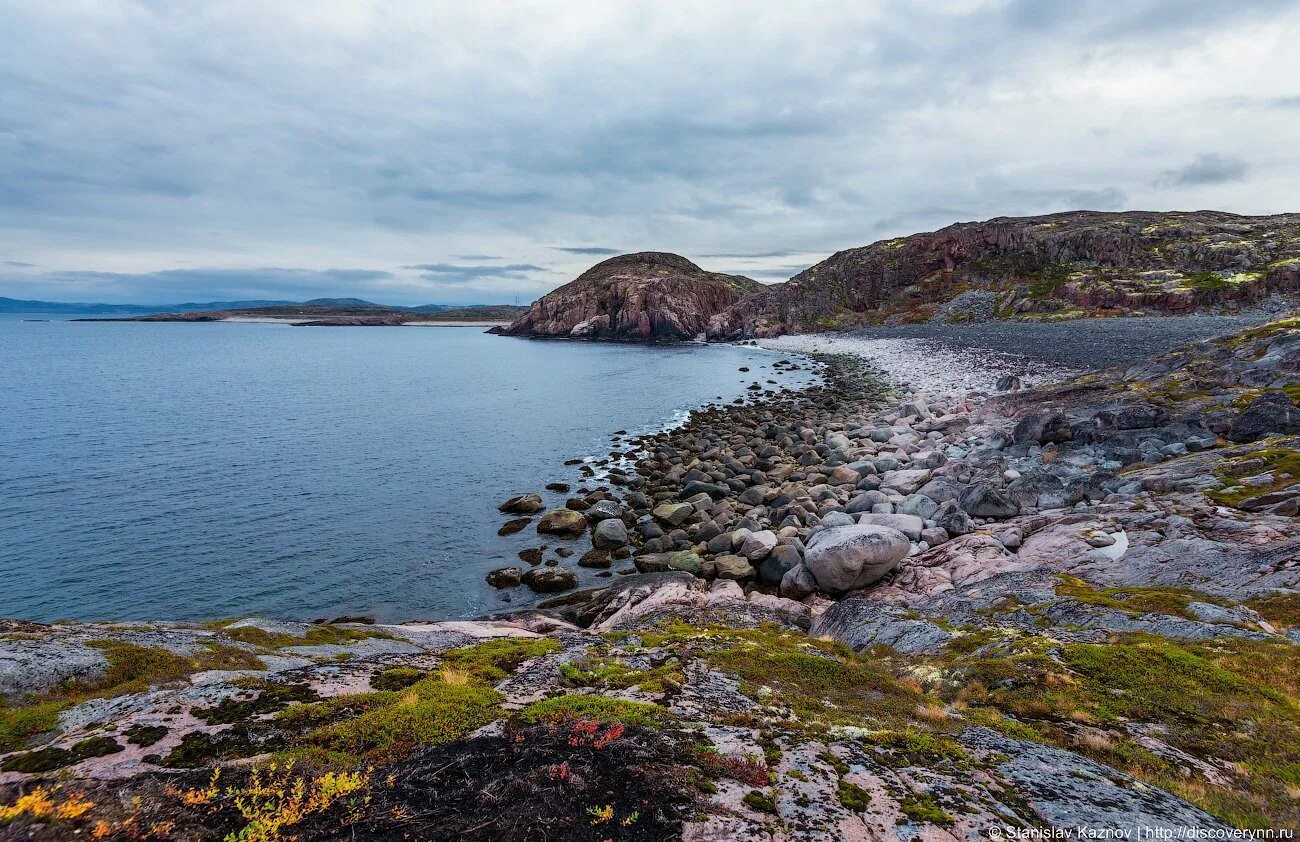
column 1079, row 611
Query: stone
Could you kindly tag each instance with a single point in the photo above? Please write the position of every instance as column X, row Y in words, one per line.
column 1043, row 426
column 844, row 475
column 983, row 500
column 773, row 568
column 838, row 519
column 550, row 579
column 673, row 514
column 514, row 525
column 863, row 623
column 919, row 505
column 603, row 510
column 797, row 583
column 909, row 525
column 524, row 504
column 685, row 561
column 609, row 534
column 953, row 520
column 906, row 481
column 505, row 577
column 733, row 567
column 845, row 558
column 598, row 559
column 757, row 545
column 563, row 522
column 1271, row 412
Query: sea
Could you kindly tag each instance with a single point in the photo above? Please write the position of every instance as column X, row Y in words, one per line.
column 202, row 471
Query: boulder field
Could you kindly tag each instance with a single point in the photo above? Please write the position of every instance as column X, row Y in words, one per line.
column 855, row 611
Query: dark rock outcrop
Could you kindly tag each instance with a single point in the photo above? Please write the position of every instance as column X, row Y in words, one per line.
column 645, row 296
column 1062, row 265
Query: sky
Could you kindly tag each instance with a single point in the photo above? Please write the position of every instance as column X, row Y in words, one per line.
column 452, row 152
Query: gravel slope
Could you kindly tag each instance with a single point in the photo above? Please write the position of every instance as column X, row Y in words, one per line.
column 1085, row 343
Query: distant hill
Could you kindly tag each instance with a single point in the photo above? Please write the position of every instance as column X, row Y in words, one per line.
column 17, row 305
column 341, row 302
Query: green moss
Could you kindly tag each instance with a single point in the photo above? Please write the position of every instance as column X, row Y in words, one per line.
column 131, row 669
column 853, row 796
column 1234, row 703
column 493, row 660
column 599, row 708
column 1046, row 281
column 18, row 725
column 49, row 759
column 271, row 699
column 1280, row 609
column 1283, row 463
column 819, row 681
column 144, row 735
column 922, row 808
column 612, row 673
column 428, row 713
column 910, row 747
column 1207, row 282
column 760, row 801
column 396, row 678
column 1158, row 600
column 321, row 634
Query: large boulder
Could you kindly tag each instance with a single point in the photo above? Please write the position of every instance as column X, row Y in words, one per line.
column 550, row 579
column 758, row 545
column 686, row 562
column 1043, row 426
column 563, row 522
column 844, row 558
column 1270, row 413
column 609, row 534
column 909, row 525
column 983, row 500
column 524, row 504
column 673, row 514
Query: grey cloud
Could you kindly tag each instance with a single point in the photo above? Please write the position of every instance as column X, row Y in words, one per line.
column 18, row 264
column 754, row 255
column 1211, row 168
column 383, row 138
column 452, row 273
column 1105, row 198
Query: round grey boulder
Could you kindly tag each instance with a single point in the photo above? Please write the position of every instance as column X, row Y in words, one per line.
column 609, row 534
column 844, row 558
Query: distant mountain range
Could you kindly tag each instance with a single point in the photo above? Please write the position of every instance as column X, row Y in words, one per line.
column 15, row 305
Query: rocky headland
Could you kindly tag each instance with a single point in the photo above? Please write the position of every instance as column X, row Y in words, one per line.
column 902, row 603
column 648, row 296
column 1072, row 265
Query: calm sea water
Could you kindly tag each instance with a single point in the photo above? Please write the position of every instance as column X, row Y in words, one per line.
column 198, row 471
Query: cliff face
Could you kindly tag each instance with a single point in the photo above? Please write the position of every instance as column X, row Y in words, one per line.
column 644, row 296
column 1063, row 265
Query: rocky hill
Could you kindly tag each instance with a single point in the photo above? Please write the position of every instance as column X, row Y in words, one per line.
column 645, row 296
column 1065, row 265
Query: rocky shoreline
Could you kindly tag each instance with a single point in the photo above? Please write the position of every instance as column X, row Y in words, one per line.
column 858, row 611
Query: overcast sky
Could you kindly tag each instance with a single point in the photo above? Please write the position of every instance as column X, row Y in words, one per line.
column 417, row 152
